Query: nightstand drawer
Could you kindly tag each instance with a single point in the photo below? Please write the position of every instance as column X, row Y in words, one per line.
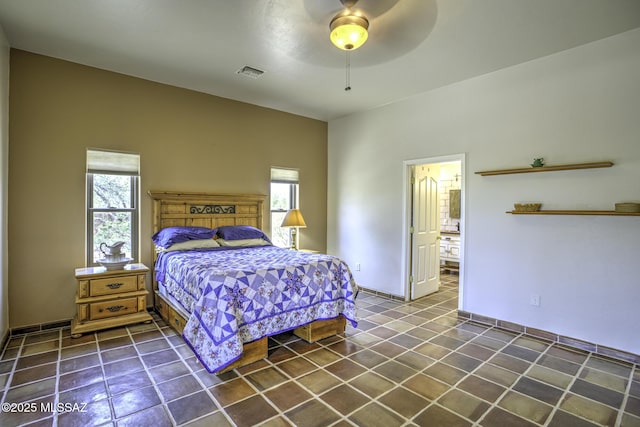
column 113, row 308
column 113, row 285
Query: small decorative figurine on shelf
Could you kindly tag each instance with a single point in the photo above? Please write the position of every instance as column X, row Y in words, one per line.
column 537, row 163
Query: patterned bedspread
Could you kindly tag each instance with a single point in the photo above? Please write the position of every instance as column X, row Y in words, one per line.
column 243, row 294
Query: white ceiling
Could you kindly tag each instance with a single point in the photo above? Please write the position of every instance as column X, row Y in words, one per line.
column 414, row 45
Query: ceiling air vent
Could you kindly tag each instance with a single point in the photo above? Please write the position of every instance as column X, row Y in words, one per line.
column 254, row 73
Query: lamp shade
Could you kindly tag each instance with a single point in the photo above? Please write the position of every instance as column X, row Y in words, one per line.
column 293, row 218
column 349, row 32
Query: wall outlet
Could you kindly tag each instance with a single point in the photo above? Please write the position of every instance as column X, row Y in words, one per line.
column 534, row 300
column 357, row 266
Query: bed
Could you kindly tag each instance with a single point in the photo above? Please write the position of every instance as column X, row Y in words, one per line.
column 219, row 281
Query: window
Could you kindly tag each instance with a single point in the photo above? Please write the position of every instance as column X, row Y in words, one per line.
column 112, row 202
column 284, row 196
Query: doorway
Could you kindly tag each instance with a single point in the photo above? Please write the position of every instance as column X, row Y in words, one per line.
column 434, row 212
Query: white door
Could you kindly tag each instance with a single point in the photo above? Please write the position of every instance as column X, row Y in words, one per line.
column 426, row 231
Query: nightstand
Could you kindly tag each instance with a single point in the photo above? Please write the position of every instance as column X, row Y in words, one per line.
column 106, row 299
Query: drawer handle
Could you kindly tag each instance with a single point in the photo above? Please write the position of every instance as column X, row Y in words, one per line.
column 115, row 308
column 114, row 285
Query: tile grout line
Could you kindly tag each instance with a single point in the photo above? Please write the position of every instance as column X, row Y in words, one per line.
column 556, row 406
column 146, row 370
column 435, row 402
column 567, row 390
column 207, row 390
column 346, row 383
column 494, row 404
column 418, row 372
column 625, row 397
column 520, row 376
column 7, row 387
column 56, row 396
column 261, row 393
column 322, row 368
column 165, row 404
column 432, row 402
column 104, row 376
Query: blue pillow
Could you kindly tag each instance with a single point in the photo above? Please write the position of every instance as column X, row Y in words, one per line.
column 240, row 232
column 172, row 235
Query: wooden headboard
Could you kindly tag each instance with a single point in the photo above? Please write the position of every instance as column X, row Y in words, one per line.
column 205, row 209
column 172, row 209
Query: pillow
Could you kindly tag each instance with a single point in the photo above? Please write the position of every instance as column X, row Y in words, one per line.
column 172, row 235
column 192, row 244
column 238, row 232
column 243, row 242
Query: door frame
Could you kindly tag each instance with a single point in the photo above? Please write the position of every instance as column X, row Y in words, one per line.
column 406, row 218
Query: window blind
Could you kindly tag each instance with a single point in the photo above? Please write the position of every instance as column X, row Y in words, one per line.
column 287, row 176
column 112, row 162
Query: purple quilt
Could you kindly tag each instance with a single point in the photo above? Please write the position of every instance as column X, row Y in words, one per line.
column 240, row 295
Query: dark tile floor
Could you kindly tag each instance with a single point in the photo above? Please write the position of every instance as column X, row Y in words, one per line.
column 406, row 364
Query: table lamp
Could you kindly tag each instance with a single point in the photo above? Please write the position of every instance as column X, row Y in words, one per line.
column 293, row 219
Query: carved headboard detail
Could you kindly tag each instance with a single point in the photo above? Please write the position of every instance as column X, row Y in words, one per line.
column 205, row 209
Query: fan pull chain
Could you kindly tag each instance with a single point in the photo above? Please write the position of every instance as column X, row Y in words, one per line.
column 347, row 87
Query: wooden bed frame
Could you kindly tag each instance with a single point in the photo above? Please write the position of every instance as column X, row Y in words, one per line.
column 215, row 210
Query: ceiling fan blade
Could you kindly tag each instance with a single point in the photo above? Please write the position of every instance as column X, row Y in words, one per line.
column 375, row 8
column 408, row 23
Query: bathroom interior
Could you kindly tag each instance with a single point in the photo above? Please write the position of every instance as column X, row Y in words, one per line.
column 450, row 221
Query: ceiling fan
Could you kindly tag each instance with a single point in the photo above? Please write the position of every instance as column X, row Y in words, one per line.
column 301, row 29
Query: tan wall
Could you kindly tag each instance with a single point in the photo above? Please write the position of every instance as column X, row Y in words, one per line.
column 188, row 141
column 4, row 185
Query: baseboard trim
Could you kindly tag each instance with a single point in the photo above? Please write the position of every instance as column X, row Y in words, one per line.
column 66, row 323
column 381, row 294
column 574, row 343
column 40, row 327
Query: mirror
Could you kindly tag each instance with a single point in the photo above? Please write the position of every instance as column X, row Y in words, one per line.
column 454, row 204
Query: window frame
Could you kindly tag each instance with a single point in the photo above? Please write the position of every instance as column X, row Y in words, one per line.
column 294, row 197
column 134, row 210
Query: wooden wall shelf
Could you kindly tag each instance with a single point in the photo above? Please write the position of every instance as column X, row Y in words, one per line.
column 591, row 165
column 576, row 212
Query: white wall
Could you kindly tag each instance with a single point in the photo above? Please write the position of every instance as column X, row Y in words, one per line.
column 4, row 182
column 577, row 106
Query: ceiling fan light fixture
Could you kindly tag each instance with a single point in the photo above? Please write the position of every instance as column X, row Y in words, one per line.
column 349, row 31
